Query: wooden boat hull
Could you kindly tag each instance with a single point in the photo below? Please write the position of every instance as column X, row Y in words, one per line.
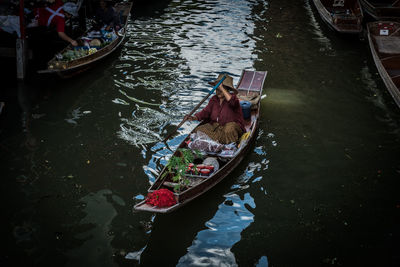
column 79, row 65
column 209, row 182
column 382, row 11
column 385, row 51
column 345, row 19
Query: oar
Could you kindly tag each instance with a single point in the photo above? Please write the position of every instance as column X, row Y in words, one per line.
column 198, row 105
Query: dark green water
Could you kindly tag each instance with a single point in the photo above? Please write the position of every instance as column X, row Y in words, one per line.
column 320, row 187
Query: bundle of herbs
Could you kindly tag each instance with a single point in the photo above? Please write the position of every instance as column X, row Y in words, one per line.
column 178, row 165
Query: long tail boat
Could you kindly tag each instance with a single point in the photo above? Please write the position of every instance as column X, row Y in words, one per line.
column 73, row 60
column 384, row 41
column 250, row 85
column 382, row 9
column 344, row 16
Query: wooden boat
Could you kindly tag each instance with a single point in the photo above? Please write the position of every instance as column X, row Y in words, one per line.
column 250, row 84
column 344, row 16
column 384, row 41
column 69, row 67
column 382, row 9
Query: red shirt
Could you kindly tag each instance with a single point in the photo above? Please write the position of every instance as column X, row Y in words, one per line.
column 223, row 113
column 57, row 21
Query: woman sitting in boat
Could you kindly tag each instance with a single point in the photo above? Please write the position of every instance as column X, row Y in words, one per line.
column 54, row 16
column 223, row 114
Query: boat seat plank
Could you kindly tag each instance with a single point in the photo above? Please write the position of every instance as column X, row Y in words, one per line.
column 170, row 184
column 391, row 58
column 396, row 81
column 395, row 32
column 388, row 44
column 337, row 3
column 393, row 72
column 380, row 4
column 193, row 179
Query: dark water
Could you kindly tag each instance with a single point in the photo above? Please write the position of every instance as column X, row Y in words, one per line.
column 320, row 187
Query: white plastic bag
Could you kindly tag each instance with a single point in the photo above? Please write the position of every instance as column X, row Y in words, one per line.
column 203, row 143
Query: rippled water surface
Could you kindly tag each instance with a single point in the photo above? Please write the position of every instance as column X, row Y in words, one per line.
column 319, row 188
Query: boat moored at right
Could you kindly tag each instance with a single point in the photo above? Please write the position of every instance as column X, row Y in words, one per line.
column 384, row 41
column 382, row 9
column 342, row 16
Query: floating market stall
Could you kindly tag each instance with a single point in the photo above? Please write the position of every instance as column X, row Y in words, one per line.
column 92, row 46
column 200, row 163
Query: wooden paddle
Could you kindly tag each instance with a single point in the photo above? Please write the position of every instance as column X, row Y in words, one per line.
column 198, row 105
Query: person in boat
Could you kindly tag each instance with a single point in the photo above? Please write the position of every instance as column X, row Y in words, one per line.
column 106, row 16
column 54, row 16
column 223, row 114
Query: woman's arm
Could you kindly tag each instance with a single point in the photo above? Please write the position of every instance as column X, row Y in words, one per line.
column 231, row 99
column 226, row 94
column 65, row 37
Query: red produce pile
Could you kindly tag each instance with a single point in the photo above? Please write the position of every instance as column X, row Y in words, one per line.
column 161, row 198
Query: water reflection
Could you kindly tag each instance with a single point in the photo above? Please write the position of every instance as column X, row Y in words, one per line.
column 374, row 94
column 320, row 36
column 145, row 126
column 285, row 97
column 218, row 40
column 75, row 115
column 211, row 247
column 262, row 262
column 144, row 77
column 96, row 247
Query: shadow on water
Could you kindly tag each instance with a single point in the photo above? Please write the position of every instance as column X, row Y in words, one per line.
column 166, row 239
